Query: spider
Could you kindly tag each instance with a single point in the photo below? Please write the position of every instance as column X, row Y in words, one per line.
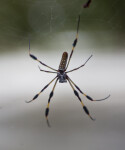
column 63, row 77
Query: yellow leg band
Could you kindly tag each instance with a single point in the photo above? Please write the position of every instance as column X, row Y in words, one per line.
column 82, row 103
column 84, row 94
column 48, row 105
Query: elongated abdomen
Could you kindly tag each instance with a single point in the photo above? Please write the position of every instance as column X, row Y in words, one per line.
column 63, row 62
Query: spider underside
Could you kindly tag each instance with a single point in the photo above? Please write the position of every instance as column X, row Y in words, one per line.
column 63, row 77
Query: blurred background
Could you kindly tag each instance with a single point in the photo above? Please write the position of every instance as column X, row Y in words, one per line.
column 51, row 27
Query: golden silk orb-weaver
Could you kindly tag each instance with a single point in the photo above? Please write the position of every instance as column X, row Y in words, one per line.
column 63, row 77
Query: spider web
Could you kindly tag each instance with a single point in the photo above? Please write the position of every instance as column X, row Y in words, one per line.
column 48, row 16
column 44, row 19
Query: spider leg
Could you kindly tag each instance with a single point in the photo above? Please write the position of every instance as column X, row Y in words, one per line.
column 47, row 108
column 74, row 43
column 80, row 66
column 46, row 71
column 41, row 91
column 88, row 97
column 77, row 94
column 86, row 5
column 35, row 58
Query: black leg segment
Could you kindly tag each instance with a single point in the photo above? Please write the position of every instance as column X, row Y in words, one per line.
column 74, row 43
column 35, row 58
column 47, row 108
column 88, row 97
column 84, row 107
column 41, row 91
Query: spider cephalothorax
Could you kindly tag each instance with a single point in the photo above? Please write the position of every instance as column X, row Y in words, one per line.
column 63, row 77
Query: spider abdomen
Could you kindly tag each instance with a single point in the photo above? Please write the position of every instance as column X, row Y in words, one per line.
column 63, row 62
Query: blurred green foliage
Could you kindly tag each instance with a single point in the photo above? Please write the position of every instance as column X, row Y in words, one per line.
column 42, row 19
